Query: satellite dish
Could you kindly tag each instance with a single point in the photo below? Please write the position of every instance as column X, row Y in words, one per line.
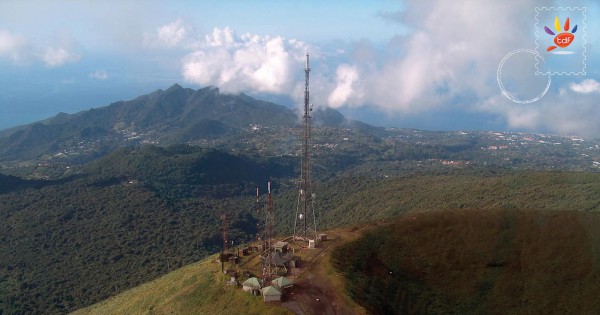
column 301, row 216
column 314, row 196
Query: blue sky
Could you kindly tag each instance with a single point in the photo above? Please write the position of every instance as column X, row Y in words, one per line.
column 422, row 64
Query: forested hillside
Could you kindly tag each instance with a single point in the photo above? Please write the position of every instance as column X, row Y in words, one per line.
column 139, row 213
column 131, row 217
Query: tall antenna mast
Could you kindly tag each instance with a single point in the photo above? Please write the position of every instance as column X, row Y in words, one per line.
column 259, row 229
column 225, row 234
column 305, row 211
column 269, row 224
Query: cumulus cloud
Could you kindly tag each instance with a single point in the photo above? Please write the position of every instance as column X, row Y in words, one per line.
column 447, row 54
column 58, row 56
column 451, row 50
column 346, row 79
column 247, row 62
column 99, row 75
column 586, row 86
column 174, row 34
column 451, row 54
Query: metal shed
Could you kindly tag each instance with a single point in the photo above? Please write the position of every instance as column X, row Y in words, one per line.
column 251, row 284
column 283, row 283
column 271, row 294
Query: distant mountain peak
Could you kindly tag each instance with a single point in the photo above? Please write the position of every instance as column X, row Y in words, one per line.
column 174, row 87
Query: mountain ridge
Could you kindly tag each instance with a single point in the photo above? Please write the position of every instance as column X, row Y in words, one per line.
column 162, row 117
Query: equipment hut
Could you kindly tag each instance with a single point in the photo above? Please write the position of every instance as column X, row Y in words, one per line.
column 251, row 285
column 281, row 247
column 283, row 283
column 293, row 261
column 271, row 294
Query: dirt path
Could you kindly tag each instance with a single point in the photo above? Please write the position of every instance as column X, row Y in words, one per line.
column 315, row 292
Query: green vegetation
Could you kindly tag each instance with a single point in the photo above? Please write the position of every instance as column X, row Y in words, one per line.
column 103, row 211
column 136, row 215
column 350, row 199
column 139, row 213
column 477, row 261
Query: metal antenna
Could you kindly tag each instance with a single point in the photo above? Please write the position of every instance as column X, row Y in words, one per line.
column 225, row 234
column 269, row 225
column 305, row 207
column 259, row 229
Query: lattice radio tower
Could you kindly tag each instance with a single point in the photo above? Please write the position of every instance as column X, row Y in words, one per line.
column 269, row 225
column 305, row 225
column 225, row 234
column 259, row 222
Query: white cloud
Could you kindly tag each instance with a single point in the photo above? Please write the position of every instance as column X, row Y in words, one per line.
column 586, row 86
column 172, row 33
column 99, row 75
column 19, row 50
column 346, row 80
column 451, row 57
column 177, row 34
column 11, row 45
column 564, row 112
column 247, row 62
column 58, row 56
column 453, row 51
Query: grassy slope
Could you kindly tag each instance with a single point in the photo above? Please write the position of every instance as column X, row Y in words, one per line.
column 448, row 262
column 198, row 288
column 473, row 262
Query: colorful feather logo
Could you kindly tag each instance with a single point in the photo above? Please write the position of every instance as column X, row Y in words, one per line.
column 563, row 39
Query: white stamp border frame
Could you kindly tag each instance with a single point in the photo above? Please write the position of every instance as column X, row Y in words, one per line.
column 537, row 12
